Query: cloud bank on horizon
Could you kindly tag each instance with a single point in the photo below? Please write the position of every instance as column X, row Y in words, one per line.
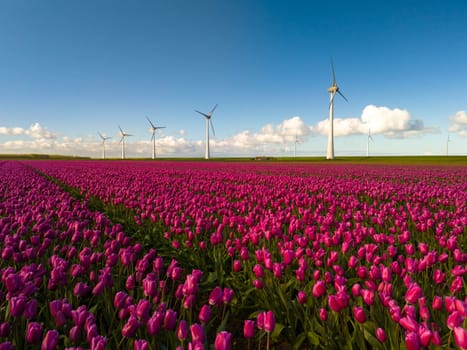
column 459, row 123
column 391, row 123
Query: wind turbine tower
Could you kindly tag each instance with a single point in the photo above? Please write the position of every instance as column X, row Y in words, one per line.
column 104, row 138
column 332, row 91
column 208, row 116
column 295, row 146
column 447, row 146
column 123, row 134
column 153, row 137
column 368, row 143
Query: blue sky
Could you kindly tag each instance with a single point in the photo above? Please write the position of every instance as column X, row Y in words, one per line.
column 71, row 68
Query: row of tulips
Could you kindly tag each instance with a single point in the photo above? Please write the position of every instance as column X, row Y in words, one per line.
column 69, row 278
column 340, row 255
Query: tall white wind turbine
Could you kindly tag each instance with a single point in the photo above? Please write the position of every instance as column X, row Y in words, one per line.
column 153, row 137
column 123, row 134
column 295, row 146
column 368, row 143
column 208, row 116
column 332, row 90
column 447, row 146
column 104, row 138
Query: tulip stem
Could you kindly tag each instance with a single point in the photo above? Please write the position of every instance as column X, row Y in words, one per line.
column 267, row 342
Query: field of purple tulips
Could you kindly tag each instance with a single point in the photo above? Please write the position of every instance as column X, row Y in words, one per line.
column 232, row 255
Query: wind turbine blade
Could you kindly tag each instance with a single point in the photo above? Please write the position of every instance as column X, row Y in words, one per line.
column 102, row 137
column 153, row 136
column 212, row 127
column 340, row 93
column 203, row 114
column 160, row 127
column 333, row 73
column 128, row 134
column 212, row 111
column 120, row 129
column 121, row 139
column 332, row 100
column 150, row 122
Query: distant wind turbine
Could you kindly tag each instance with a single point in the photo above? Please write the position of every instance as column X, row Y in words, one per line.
column 104, row 138
column 447, row 146
column 153, row 137
column 123, row 134
column 332, row 90
column 295, row 146
column 208, row 116
column 368, row 143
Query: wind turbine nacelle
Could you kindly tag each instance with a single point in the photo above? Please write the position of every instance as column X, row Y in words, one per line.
column 333, row 89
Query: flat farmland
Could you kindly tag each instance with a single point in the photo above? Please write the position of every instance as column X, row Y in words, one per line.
column 233, row 255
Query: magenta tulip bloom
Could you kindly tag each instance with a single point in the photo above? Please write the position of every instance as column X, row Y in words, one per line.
column 204, row 314
column 215, row 297
column 258, row 284
column 150, row 287
column 17, row 305
column 454, row 320
column 130, row 327
column 197, row 332
column 249, row 329
column 141, row 344
column 437, row 303
column 75, row 334
column 182, row 330
column 333, row 303
column 460, row 337
column 413, row 294
column 412, row 341
column 30, row 309
column 142, row 309
column 269, row 321
column 119, row 299
column 154, row 324
column 425, row 336
column 50, row 340
column 409, row 324
column 381, row 335
column 190, row 286
column 301, row 297
column 359, row 314
column 5, row 329
column 170, row 319
column 237, row 265
column 223, row 341
column 319, row 289
column 258, row 270
column 33, row 332
column 323, row 314
column 227, row 295
column 98, row 342
column 189, row 301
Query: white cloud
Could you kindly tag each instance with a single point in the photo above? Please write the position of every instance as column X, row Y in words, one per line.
column 35, row 131
column 392, row 123
column 276, row 137
column 459, row 123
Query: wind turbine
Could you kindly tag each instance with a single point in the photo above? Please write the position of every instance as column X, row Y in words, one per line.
column 104, row 138
column 447, row 146
column 295, row 145
column 208, row 116
column 153, row 137
column 123, row 134
column 368, row 143
column 332, row 90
